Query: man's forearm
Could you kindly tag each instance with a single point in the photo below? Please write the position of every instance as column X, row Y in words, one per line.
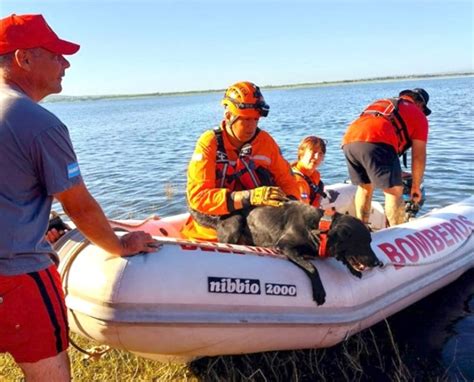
column 92, row 222
column 418, row 171
column 89, row 218
column 418, row 162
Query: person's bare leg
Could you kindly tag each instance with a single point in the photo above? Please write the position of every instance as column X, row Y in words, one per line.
column 53, row 369
column 394, row 206
column 363, row 201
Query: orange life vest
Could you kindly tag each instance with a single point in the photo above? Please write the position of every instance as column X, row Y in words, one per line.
column 242, row 174
column 315, row 190
column 388, row 109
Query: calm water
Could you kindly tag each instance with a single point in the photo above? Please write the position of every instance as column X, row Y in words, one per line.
column 134, row 153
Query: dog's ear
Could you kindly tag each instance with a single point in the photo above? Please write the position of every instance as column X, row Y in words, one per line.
column 337, row 238
column 341, row 232
column 338, row 241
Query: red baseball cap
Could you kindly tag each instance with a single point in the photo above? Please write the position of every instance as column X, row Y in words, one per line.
column 31, row 31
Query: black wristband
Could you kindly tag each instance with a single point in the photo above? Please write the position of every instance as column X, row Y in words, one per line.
column 244, row 198
column 230, row 202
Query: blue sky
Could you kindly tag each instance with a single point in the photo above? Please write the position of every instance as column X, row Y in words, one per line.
column 161, row 46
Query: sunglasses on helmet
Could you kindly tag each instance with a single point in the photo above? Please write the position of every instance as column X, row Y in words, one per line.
column 261, row 106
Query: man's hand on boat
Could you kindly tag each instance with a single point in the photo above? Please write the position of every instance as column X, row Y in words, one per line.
column 132, row 243
column 88, row 217
column 136, row 242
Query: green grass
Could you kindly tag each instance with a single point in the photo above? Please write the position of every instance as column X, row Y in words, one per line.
column 370, row 355
column 114, row 365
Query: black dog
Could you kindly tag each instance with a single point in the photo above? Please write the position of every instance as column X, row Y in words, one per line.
column 293, row 229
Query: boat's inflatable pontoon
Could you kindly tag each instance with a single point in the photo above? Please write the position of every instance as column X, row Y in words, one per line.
column 190, row 299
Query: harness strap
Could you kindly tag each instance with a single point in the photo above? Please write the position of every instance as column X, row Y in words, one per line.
column 314, row 189
column 244, row 158
column 401, row 129
column 223, row 158
column 392, row 114
column 324, row 226
column 221, row 154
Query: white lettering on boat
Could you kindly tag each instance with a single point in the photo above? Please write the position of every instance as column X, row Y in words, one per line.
column 233, row 285
column 229, row 248
column 280, row 289
column 427, row 242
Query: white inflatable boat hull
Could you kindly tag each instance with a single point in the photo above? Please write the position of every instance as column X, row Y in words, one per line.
column 189, row 300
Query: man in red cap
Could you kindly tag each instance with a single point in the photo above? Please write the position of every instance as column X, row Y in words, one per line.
column 386, row 129
column 37, row 164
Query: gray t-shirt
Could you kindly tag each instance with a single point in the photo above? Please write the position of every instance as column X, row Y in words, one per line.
column 37, row 160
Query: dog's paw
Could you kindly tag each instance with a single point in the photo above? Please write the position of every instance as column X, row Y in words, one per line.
column 320, row 298
column 354, row 272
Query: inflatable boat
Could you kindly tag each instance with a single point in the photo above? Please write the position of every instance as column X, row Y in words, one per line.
column 191, row 299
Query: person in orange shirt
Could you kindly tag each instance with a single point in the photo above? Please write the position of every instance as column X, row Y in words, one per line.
column 236, row 165
column 311, row 152
column 385, row 130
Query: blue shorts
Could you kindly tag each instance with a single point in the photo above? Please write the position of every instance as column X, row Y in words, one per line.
column 373, row 163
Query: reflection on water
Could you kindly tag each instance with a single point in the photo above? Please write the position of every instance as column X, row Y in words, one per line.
column 438, row 331
column 134, row 153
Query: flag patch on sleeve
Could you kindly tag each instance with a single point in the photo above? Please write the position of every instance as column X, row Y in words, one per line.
column 73, row 170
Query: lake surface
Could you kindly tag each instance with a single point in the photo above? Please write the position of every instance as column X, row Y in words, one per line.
column 133, row 155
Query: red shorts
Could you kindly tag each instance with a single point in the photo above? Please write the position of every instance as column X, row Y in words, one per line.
column 33, row 317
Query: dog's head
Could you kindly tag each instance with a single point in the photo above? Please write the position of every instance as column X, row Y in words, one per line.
column 349, row 242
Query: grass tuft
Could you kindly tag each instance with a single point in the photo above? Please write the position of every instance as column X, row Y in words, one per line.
column 370, row 355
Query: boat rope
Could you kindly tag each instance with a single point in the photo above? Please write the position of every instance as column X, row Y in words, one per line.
column 95, row 353
column 133, row 225
column 396, row 264
column 250, row 250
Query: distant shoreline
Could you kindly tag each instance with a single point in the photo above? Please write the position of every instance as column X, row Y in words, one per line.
column 61, row 98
